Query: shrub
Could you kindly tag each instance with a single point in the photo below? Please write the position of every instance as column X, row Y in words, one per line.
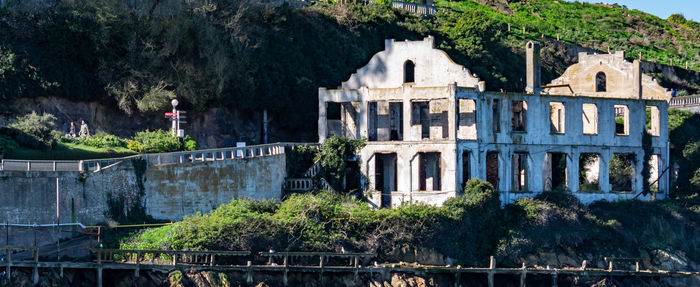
column 7, row 144
column 102, row 140
column 159, row 141
column 134, row 145
column 156, row 141
column 188, row 143
column 34, row 130
column 335, row 154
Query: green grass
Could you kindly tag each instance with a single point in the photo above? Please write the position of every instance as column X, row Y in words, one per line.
column 69, row 151
column 596, row 26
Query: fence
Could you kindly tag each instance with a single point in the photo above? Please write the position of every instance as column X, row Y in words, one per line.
column 151, row 159
column 420, row 9
column 208, row 260
column 688, row 101
column 39, row 165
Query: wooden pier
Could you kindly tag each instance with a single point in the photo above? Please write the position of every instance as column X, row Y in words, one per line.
column 338, row 263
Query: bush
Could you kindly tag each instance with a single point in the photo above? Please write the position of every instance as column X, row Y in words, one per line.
column 7, row 144
column 102, row 140
column 188, row 143
column 34, row 131
column 156, row 141
column 159, row 141
column 335, row 155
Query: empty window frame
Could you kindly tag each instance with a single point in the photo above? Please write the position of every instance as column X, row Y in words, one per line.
column 589, row 172
column 554, row 171
column 654, row 172
column 652, row 120
column 557, row 118
column 622, row 120
column 420, row 116
column 589, row 116
column 519, row 116
column 333, row 111
column 520, row 171
column 409, row 71
column 439, row 120
column 622, row 172
column 466, row 167
column 492, row 168
column 372, row 121
column 385, row 176
column 496, row 115
column 467, row 119
column 395, row 121
column 430, row 170
column 334, row 121
column 601, row 82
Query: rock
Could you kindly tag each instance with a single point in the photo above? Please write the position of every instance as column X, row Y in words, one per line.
column 669, row 261
column 401, row 280
column 216, row 127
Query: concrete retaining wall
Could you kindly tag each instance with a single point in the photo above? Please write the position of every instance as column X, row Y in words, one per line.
column 167, row 192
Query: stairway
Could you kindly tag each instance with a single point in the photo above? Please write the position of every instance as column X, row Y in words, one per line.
column 311, row 180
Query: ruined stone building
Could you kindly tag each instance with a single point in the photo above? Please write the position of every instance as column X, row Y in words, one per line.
column 430, row 125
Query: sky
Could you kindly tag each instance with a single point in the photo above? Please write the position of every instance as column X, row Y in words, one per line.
column 661, row 8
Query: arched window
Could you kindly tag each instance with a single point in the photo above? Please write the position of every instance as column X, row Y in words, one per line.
column 600, row 84
column 409, row 71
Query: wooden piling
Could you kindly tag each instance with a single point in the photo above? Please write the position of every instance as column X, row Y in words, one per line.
column 8, row 257
column 35, row 271
column 99, row 276
column 492, row 267
column 138, row 263
column 249, row 273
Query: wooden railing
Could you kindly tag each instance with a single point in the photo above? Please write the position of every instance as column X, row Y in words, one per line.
column 163, row 257
column 306, row 262
column 323, row 257
column 8, row 250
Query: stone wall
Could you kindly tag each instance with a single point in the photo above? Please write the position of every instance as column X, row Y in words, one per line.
column 166, row 192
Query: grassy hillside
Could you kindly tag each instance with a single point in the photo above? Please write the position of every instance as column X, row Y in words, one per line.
column 247, row 56
column 597, row 26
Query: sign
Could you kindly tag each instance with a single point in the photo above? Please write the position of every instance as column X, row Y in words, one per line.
column 170, row 114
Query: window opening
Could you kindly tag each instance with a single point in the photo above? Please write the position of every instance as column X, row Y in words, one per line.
column 409, row 71
column 600, row 82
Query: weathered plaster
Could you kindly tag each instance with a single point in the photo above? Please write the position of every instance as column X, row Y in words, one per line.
column 586, row 119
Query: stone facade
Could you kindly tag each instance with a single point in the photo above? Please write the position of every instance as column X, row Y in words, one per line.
column 430, row 125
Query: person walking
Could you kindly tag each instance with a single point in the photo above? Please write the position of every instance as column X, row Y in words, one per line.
column 84, row 131
column 71, row 130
